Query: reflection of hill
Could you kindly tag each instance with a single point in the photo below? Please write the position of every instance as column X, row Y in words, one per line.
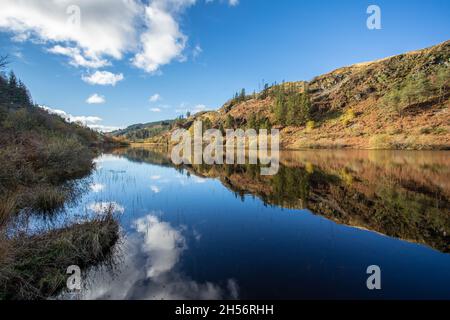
column 400, row 194
column 141, row 155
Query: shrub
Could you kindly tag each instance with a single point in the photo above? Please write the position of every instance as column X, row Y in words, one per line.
column 310, row 125
column 348, row 116
column 381, row 141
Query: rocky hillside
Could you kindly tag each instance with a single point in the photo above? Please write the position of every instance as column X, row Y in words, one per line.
column 399, row 102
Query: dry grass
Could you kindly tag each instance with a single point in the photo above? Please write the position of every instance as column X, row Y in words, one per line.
column 35, row 267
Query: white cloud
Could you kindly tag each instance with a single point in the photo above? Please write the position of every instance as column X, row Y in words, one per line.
column 155, row 110
column 88, row 121
column 162, row 41
column 96, row 99
column 98, row 34
column 155, row 98
column 85, row 120
column 162, row 242
column 77, row 59
column 104, row 30
column 103, row 128
column 103, row 78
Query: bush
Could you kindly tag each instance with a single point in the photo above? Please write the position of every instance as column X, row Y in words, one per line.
column 310, row 125
column 348, row 116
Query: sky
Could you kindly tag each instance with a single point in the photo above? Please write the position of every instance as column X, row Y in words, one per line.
column 113, row 63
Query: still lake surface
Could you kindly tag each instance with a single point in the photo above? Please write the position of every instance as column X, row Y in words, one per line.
column 225, row 232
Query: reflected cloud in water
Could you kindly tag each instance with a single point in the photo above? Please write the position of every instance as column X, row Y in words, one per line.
column 97, row 187
column 105, row 207
column 148, row 270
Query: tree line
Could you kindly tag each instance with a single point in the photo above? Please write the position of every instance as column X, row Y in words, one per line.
column 292, row 107
column 416, row 89
column 13, row 92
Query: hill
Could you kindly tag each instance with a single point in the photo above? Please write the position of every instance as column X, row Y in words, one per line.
column 399, row 102
column 41, row 158
column 141, row 132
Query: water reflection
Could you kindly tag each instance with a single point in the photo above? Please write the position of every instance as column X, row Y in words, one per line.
column 225, row 232
column 400, row 194
column 148, row 271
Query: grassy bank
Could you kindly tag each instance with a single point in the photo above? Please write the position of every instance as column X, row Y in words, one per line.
column 35, row 267
column 41, row 158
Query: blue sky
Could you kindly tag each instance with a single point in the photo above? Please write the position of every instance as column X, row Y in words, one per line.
column 192, row 55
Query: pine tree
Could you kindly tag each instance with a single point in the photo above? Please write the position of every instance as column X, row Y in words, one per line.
column 280, row 109
column 12, row 87
column 3, row 89
column 442, row 80
column 229, row 123
column 252, row 122
column 242, row 95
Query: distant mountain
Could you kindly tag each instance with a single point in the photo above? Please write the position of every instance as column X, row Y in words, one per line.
column 399, row 102
column 142, row 132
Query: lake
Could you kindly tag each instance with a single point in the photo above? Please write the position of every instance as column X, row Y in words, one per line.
column 310, row 232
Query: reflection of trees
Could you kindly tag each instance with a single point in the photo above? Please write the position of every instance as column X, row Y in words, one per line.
column 403, row 195
column 141, row 155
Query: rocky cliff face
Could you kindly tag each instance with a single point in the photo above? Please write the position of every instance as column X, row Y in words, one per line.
column 399, row 102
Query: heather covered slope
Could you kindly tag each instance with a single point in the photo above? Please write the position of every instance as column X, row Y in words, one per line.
column 399, row 102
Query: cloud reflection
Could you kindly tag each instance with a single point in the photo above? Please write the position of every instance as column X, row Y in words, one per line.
column 105, row 207
column 149, row 269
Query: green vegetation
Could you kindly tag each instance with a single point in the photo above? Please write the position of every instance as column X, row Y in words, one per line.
column 229, row 122
column 292, row 108
column 35, row 267
column 348, row 116
column 39, row 153
column 142, row 132
column 310, row 125
column 41, row 157
column 258, row 122
column 239, row 97
column 417, row 88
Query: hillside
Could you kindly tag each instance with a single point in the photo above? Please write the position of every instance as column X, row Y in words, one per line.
column 42, row 158
column 399, row 102
column 142, row 132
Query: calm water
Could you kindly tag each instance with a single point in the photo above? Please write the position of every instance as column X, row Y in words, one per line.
column 224, row 232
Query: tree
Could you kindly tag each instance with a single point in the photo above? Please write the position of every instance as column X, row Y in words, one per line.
column 280, row 109
column 252, row 122
column 4, row 96
column 229, row 123
column 242, row 96
column 207, row 124
column 442, row 81
column 422, row 86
